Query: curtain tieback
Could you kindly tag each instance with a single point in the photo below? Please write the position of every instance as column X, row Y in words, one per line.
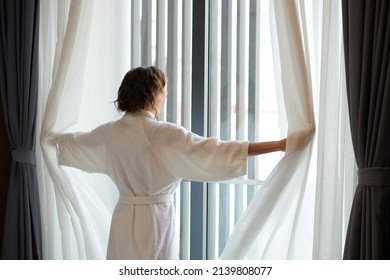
column 23, row 155
column 133, row 200
column 374, row 176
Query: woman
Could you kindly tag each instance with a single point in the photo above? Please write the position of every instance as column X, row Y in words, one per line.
column 147, row 159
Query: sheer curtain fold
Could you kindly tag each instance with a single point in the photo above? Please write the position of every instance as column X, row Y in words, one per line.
column 336, row 170
column 75, row 220
column 19, row 25
column 268, row 227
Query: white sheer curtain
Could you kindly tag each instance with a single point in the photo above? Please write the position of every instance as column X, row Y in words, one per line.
column 299, row 212
column 336, row 166
column 84, row 51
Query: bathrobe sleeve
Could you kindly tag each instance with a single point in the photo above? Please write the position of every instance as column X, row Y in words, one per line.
column 192, row 157
column 84, row 150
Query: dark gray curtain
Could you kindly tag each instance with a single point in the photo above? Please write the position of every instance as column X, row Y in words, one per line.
column 19, row 20
column 5, row 164
column 367, row 47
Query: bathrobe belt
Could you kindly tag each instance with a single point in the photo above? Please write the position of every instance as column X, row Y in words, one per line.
column 133, row 200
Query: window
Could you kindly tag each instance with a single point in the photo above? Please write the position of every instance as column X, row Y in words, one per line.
column 218, row 57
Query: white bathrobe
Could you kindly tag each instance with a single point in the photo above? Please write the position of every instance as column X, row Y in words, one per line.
column 147, row 159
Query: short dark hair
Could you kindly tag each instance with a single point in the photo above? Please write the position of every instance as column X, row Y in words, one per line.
column 139, row 88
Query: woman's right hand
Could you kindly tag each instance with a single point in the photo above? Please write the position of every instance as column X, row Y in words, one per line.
column 282, row 144
column 298, row 140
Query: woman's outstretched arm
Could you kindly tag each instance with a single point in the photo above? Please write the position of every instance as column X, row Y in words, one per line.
column 258, row 148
